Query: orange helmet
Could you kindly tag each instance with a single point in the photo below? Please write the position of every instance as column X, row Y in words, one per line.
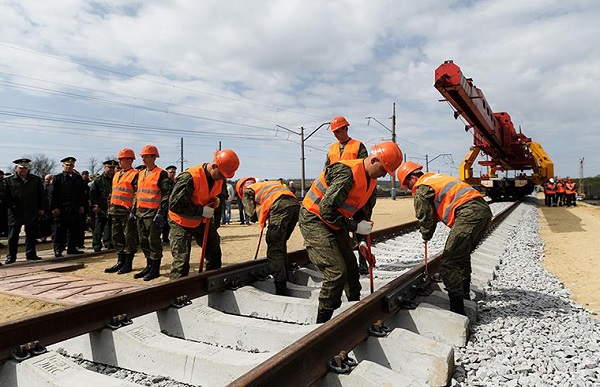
column 389, row 154
column 337, row 123
column 406, row 169
column 227, row 161
column 149, row 150
column 239, row 187
column 126, row 153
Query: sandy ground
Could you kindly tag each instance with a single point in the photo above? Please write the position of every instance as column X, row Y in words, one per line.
column 566, row 231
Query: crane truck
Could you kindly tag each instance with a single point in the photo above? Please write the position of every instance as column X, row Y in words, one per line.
column 494, row 136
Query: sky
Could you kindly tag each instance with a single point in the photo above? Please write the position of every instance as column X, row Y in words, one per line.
column 87, row 78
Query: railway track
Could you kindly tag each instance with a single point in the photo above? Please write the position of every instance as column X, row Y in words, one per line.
column 226, row 326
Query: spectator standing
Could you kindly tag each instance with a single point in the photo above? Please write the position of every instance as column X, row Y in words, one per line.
column 46, row 226
column 172, row 171
column 226, row 219
column 100, row 191
column 23, row 194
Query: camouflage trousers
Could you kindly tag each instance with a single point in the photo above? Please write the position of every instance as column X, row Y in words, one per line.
column 472, row 221
column 124, row 234
column 283, row 217
column 102, row 232
column 181, row 246
column 331, row 251
column 150, row 238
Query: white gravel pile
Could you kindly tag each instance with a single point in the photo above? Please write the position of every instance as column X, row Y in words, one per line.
column 529, row 333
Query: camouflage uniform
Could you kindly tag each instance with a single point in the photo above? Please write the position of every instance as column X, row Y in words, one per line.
column 181, row 237
column 124, row 230
column 331, row 250
column 283, row 216
column 148, row 231
column 472, row 219
column 100, row 191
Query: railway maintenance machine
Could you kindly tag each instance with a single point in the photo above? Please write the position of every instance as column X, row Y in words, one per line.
column 494, row 135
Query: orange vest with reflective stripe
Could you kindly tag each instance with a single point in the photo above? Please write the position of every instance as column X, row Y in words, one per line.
column 450, row 193
column 550, row 188
column 148, row 194
column 200, row 197
column 265, row 194
column 570, row 188
column 560, row 187
column 122, row 189
column 359, row 194
column 350, row 151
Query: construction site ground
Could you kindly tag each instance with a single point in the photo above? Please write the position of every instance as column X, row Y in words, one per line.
column 570, row 254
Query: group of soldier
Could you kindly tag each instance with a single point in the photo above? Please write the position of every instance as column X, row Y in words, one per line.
column 560, row 192
column 132, row 208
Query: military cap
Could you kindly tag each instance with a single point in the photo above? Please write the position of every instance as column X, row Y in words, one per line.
column 23, row 163
column 171, row 168
column 69, row 160
column 111, row 163
column 140, row 167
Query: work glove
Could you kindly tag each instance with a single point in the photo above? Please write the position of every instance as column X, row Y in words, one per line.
column 208, row 212
column 364, row 227
column 159, row 220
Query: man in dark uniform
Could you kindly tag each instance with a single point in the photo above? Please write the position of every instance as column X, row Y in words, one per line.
column 99, row 194
column 23, row 194
column 84, row 225
column 3, row 212
column 172, row 171
column 68, row 205
column 462, row 208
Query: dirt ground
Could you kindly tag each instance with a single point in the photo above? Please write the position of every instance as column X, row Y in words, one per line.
column 564, row 230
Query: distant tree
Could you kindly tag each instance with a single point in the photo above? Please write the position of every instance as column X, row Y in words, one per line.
column 94, row 165
column 41, row 165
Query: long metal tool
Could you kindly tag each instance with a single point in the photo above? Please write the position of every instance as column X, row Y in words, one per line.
column 206, row 222
column 258, row 246
column 370, row 260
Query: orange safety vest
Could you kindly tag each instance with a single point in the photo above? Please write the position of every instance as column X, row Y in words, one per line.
column 351, row 150
column 570, row 188
column 265, row 194
column 359, row 194
column 122, row 188
column 549, row 189
column 148, row 193
column 200, row 197
column 560, row 187
column 450, row 193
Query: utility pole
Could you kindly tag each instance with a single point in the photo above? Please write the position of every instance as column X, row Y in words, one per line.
column 581, row 191
column 393, row 132
column 181, row 159
column 427, row 161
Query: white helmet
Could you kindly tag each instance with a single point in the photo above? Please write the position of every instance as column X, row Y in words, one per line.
column 551, row 180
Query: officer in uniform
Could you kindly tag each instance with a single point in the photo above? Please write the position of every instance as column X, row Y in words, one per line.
column 120, row 209
column 24, row 196
column 459, row 206
column 272, row 201
column 68, row 205
column 327, row 217
column 191, row 207
column 100, row 191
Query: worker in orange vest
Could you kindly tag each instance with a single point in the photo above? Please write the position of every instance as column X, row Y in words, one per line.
column 272, row 201
column 571, row 192
column 192, row 206
column 124, row 230
column 345, row 148
column 342, row 190
column 550, row 192
column 560, row 192
column 447, row 199
column 151, row 206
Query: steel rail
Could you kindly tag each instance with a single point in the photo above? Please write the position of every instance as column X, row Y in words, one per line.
column 305, row 361
column 62, row 324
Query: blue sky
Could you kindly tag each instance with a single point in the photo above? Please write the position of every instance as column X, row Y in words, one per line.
column 88, row 78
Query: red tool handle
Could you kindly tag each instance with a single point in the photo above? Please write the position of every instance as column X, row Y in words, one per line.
column 370, row 260
column 206, row 222
column 258, row 246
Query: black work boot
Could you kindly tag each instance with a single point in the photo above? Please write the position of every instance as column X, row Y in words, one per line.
column 457, row 305
column 281, row 288
column 118, row 265
column 324, row 315
column 126, row 268
column 154, row 271
column 144, row 271
column 363, row 267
